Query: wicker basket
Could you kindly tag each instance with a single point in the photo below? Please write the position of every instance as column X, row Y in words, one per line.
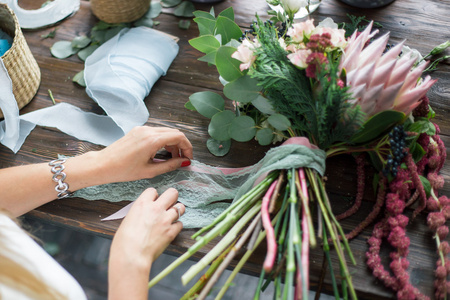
column 119, row 11
column 19, row 62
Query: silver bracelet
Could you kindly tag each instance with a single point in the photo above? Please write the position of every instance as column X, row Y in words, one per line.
column 58, row 176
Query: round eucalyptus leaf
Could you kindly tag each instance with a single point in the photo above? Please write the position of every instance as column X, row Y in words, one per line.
column 244, row 89
column 228, row 29
column 146, row 22
column 63, row 49
column 242, row 129
column 185, row 9
column 189, row 106
column 205, row 43
column 263, row 105
column 220, row 123
column 184, row 24
column 264, row 136
column 79, row 78
column 154, row 11
column 207, row 103
column 170, row 3
column 227, row 66
column 81, row 42
column 279, row 122
column 84, row 53
column 218, row 148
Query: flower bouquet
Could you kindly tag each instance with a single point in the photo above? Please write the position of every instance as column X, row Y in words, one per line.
column 322, row 94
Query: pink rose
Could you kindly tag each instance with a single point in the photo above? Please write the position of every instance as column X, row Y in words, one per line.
column 299, row 57
column 244, row 53
column 300, row 30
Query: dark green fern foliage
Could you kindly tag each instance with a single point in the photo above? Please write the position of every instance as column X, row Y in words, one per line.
column 325, row 118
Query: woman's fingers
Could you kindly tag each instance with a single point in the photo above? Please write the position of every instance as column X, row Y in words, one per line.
column 176, row 211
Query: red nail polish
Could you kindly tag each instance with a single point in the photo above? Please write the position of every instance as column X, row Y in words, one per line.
column 186, row 163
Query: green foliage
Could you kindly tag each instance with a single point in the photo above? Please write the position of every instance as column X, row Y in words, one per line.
column 377, row 126
column 355, row 24
column 184, row 9
column 218, row 148
column 244, row 89
column 207, row 103
column 227, row 66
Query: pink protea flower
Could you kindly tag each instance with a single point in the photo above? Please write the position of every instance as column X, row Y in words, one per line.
column 382, row 82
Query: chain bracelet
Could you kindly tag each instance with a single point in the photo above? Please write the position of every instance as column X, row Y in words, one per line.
column 58, row 176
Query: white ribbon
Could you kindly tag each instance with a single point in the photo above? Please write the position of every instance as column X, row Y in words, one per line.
column 51, row 13
column 118, row 75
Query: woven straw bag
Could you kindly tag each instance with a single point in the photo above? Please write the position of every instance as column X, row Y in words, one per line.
column 119, row 11
column 19, row 62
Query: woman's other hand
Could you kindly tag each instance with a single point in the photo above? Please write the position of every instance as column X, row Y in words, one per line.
column 149, row 227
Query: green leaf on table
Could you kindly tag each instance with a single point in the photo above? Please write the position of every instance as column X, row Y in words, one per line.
column 264, row 136
column 210, row 58
column 79, row 78
column 422, row 125
column 207, row 103
column 81, row 42
column 220, row 123
column 146, row 22
column 184, row 24
column 188, row 105
column 63, row 49
column 185, row 9
column 377, row 125
column 84, row 53
column 205, row 43
column 154, row 11
column 218, row 148
column 228, row 13
column 50, row 35
column 279, row 122
column 426, row 185
column 244, row 89
column 263, row 105
column 227, row 66
column 242, row 129
column 101, row 25
column 170, row 3
column 228, row 29
column 112, row 32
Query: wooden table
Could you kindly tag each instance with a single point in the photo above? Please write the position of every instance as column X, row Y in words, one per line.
column 424, row 23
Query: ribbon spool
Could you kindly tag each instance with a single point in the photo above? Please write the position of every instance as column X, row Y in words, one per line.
column 119, row 11
column 18, row 60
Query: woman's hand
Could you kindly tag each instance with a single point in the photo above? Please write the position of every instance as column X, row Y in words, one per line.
column 149, row 227
column 131, row 157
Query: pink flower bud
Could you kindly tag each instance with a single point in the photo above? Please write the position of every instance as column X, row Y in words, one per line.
column 436, row 181
column 444, row 201
column 433, row 161
column 442, row 232
column 435, row 219
column 432, row 204
column 446, row 211
column 441, row 272
column 444, row 247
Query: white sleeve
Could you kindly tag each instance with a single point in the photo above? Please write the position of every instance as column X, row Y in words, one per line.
column 24, row 250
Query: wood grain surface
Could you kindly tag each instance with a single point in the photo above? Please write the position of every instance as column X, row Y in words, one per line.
column 423, row 23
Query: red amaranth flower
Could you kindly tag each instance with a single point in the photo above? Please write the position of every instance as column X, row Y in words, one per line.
column 319, row 42
column 435, row 219
column 314, row 61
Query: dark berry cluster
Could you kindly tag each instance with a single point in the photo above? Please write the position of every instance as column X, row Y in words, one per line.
column 397, row 141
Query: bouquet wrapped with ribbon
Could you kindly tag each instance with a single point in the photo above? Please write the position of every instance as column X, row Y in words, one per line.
column 323, row 92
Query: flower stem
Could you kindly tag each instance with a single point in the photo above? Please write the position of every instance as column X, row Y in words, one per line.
column 223, row 244
column 265, row 217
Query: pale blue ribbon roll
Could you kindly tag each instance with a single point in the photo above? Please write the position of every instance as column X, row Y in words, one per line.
column 118, row 75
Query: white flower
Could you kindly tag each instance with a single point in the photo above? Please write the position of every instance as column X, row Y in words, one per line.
column 413, row 53
column 291, row 7
column 328, row 22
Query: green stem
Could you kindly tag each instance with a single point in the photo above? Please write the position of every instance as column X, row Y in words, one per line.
column 221, row 246
column 252, row 194
column 326, row 250
column 332, row 230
